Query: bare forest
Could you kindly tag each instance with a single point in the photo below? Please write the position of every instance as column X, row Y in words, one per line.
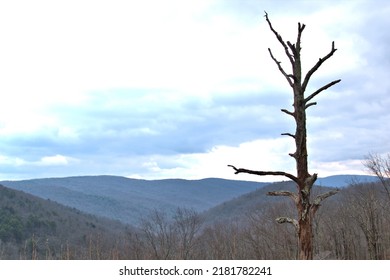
column 352, row 225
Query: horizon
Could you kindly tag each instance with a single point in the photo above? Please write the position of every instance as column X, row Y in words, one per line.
column 283, row 179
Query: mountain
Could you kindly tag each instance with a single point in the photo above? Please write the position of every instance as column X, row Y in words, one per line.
column 258, row 201
column 338, row 181
column 235, row 209
column 32, row 227
column 239, row 207
column 128, row 200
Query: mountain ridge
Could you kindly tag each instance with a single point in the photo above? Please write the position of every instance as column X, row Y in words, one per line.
column 129, row 200
column 344, row 180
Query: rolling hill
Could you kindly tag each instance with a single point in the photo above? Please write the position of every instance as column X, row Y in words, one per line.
column 127, row 200
column 339, row 181
column 35, row 228
column 238, row 208
column 43, row 228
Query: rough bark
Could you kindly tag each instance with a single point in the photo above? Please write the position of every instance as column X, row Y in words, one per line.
column 303, row 179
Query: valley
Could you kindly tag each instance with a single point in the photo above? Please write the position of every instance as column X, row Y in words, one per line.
column 111, row 217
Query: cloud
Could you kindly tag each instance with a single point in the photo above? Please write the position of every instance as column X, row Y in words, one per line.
column 54, row 160
column 264, row 154
column 338, row 167
column 182, row 125
column 180, row 89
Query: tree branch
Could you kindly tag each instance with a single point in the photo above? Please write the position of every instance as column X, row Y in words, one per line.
column 287, row 76
column 300, row 30
column 280, row 39
column 309, row 181
column 264, row 173
column 282, row 220
column 288, row 134
column 292, row 77
column 317, row 201
column 380, row 167
column 311, row 96
column 293, row 155
column 316, row 66
column 292, row 48
column 292, row 195
column 310, row 104
column 288, row 112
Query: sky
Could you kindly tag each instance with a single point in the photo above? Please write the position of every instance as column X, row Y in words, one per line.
column 180, row 89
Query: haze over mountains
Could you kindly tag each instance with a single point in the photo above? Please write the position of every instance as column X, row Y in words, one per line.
column 128, row 200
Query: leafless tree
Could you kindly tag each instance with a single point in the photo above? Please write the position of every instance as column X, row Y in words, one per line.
column 159, row 235
column 266, row 239
column 306, row 206
column 187, row 224
column 365, row 207
column 380, row 167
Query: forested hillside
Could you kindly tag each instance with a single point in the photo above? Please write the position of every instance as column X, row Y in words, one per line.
column 34, row 228
column 127, row 200
column 354, row 224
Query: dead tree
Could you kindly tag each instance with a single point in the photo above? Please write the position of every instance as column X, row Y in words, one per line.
column 306, row 206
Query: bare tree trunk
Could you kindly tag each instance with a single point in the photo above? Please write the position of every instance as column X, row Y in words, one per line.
column 304, row 180
column 305, row 239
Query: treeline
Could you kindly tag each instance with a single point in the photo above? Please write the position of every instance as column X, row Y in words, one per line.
column 354, row 224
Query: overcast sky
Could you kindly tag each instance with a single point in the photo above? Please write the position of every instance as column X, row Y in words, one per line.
column 179, row 89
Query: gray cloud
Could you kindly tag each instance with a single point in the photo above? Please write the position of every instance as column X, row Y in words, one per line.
column 119, row 130
column 187, row 126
